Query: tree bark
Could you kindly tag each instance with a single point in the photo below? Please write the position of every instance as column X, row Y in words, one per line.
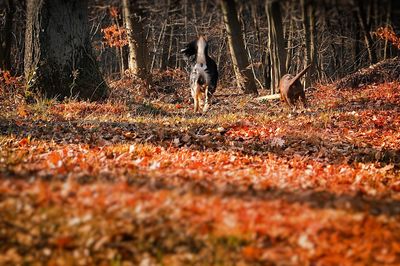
column 310, row 39
column 168, row 55
column 58, row 56
column 388, row 19
column 244, row 76
column 168, row 35
column 395, row 21
column 356, row 45
column 366, row 27
column 290, row 37
column 120, row 52
column 6, row 35
column 276, row 42
column 138, row 52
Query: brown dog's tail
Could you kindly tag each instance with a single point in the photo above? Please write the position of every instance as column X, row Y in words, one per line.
column 299, row 75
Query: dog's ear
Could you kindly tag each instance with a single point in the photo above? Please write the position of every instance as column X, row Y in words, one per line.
column 190, row 49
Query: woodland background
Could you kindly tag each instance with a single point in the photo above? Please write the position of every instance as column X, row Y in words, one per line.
column 339, row 32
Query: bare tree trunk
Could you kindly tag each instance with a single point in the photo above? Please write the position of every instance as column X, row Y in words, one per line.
column 244, row 76
column 168, row 55
column 138, row 53
column 6, row 35
column 310, row 39
column 258, row 34
column 58, row 55
column 119, row 52
column 315, row 68
column 290, row 37
column 366, row 27
column 307, row 37
column 166, row 47
column 388, row 19
column 276, row 42
column 395, row 21
column 356, row 45
column 267, row 68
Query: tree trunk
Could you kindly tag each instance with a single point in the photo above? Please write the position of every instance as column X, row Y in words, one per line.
column 276, row 42
column 290, row 37
column 138, row 53
column 166, row 47
column 366, row 27
column 120, row 52
column 6, row 35
column 267, row 69
column 395, row 21
column 310, row 39
column 58, row 55
column 388, row 19
column 168, row 55
column 244, row 75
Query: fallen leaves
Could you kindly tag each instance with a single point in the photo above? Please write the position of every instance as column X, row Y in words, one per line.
column 90, row 183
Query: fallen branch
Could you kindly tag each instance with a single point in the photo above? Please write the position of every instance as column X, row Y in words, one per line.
column 269, row 97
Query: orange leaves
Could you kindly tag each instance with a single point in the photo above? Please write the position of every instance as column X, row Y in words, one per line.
column 294, row 188
column 252, row 253
column 43, row 192
column 54, row 159
column 387, row 33
column 9, row 83
column 8, row 79
column 63, row 241
column 178, row 165
column 387, row 93
column 22, row 112
column 262, row 230
column 114, row 12
column 115, row 36
column 248, row 130
column 24, row 142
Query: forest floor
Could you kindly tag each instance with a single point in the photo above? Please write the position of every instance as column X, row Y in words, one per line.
column 133, row 182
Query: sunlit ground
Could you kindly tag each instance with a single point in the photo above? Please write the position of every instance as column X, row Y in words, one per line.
column 133, row 182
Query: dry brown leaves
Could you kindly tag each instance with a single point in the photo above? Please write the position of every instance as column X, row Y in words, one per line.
column 86, row 183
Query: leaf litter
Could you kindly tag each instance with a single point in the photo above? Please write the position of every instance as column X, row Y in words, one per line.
column 245, row 184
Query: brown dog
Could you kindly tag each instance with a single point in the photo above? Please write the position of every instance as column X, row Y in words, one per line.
column 291, row 89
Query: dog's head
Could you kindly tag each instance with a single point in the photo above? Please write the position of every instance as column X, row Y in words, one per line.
column 198, row 46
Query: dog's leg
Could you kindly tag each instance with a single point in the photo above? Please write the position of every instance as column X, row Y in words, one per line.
column 206, row 105
column 291, row 102
column 287, row 100
column 195, row 93
column 198, row 96
column 303, row 99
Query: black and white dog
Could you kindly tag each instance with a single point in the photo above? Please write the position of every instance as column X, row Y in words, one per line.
column 204, row 74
